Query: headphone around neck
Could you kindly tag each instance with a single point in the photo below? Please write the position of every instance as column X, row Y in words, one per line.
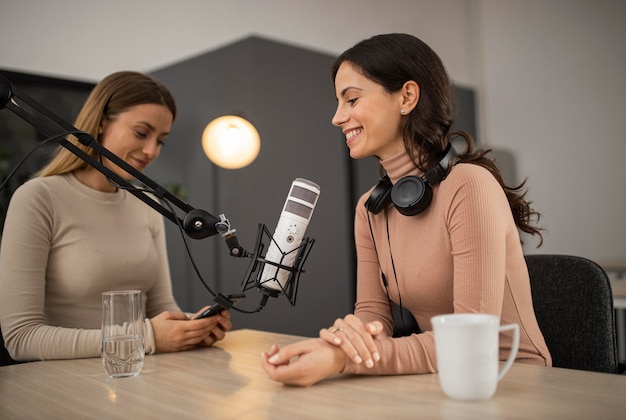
column 411, row 195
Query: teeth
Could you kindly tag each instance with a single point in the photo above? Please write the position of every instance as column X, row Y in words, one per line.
column 353, row 133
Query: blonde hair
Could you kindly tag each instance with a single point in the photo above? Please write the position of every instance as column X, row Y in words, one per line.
column 113, row 95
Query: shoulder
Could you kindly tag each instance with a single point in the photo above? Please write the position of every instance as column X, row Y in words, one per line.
column 34, row 200
column 471, row 186
column 470, row 172
column 472, row 176
column 38, row 187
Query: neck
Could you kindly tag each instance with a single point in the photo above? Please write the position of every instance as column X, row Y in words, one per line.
column 94, row 179
column 399, row 166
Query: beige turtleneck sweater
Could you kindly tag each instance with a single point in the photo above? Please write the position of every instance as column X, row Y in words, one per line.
column 63, row 245
column 463, row 254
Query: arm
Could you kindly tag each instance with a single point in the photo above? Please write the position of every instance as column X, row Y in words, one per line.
column 168, row 329
column 26, row 243
column 458, row 265
column 356, row 335
column 159, row 297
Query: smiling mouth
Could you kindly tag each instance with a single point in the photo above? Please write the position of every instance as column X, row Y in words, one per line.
column 140, row 164
column 353, row 133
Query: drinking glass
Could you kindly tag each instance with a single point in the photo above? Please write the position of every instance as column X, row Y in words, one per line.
column 122, row 333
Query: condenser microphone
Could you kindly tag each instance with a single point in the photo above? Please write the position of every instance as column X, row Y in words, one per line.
column 289, row 233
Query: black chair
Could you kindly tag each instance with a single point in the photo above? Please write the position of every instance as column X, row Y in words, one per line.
column 573, row 304
column 5, row 357
column 404, row 322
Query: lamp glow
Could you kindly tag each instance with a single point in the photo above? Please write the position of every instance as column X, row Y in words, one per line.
column 231, row 142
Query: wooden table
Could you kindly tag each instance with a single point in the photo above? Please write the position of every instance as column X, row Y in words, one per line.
column 227, row 382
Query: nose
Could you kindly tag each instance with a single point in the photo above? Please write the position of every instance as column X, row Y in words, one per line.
column 340, row 116
column 151, row 149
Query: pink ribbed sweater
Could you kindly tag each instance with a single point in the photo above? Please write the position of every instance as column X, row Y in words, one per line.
column 463, row 254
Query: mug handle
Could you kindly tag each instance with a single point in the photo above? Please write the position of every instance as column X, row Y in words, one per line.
column 514, row 348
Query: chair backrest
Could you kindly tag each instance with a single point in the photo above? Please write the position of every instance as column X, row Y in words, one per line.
column 5, row 357
column 573, row 304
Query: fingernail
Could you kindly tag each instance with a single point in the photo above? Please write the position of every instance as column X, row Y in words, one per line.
column 377, row 357
column 358, row 359
column 273, row 359
column 369, row 363
column 337, row 341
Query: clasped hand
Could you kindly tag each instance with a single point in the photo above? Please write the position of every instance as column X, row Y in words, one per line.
column 307, row 362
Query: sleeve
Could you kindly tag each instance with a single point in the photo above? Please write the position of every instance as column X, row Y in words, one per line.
column 477, row 216
column 479, row 219
column 398, row 355
column 371, row 300
column 160, row 297
column 23, row 260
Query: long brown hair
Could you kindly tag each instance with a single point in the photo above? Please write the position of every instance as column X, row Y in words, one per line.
column 393, row 59
column 113, row 95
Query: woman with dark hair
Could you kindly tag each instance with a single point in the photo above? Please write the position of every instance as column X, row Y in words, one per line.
column 439, row 234
column 71, row 234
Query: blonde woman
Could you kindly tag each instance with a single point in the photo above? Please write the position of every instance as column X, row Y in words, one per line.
column 70, row 234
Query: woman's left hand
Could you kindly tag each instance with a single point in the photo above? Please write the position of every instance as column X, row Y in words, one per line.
column 355, row 338
column 303, row 363
column 218, row 332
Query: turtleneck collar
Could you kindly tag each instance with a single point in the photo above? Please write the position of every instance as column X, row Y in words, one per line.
column 399, row 166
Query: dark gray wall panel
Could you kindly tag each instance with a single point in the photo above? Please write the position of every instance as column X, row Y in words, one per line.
column 288, row 94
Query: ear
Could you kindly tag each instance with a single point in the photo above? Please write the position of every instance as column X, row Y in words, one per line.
column 103, row 125
column 410, row 95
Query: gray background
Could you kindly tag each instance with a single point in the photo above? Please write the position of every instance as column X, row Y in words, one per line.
column 548, row 77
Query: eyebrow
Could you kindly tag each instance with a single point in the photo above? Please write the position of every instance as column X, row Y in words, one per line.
column 152, row 128
column 345, row 90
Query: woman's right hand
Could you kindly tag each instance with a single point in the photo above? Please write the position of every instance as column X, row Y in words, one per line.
column 355, row 338
column 303, row 363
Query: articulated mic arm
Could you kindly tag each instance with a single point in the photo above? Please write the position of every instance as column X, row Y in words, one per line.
column 196, row 223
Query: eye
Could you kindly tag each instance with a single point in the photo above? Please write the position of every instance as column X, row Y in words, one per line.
column 141, row 134
column 352, row 101
column 161, row 142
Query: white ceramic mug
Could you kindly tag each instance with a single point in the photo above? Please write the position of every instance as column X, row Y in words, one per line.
column 467, row 347
column 123, row 349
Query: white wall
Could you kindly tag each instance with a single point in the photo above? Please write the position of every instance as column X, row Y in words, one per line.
column 553, row 93
column 88, row 39
column 548, row 74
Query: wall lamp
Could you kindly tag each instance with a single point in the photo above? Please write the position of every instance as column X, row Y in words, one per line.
column 231, row 142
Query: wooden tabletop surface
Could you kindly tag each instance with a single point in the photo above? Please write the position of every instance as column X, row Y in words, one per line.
column 227, row 382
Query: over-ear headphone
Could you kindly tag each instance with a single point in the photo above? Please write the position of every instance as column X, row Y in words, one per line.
column 411, row 195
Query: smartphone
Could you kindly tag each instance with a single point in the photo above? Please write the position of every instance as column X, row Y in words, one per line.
column 218, row 307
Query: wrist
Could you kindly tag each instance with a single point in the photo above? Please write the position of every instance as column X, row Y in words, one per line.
column 340, row 359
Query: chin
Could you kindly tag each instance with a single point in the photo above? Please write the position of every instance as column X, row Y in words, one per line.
column 354, row 154
column 127, row 176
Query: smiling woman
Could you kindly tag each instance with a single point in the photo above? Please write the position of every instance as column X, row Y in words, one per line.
column 72, row 234
column 438, row 234
column 136, row 135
